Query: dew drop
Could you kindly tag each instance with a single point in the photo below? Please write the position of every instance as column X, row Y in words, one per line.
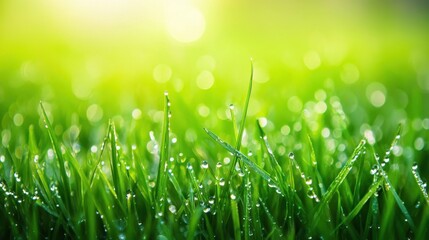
column 418, row 204
column 221, row 182
column 291, row 155
column 271, row 185
column 374, row 169
column 386, row 159
column 189, row 166
column 206, row 210
column 415, row 166
column 233, row 197
column 231, row 107
column 172, row 209
column 204, row 164
column 309, row 181
column 129, row 195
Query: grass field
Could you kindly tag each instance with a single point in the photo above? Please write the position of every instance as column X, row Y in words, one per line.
column 114, row 126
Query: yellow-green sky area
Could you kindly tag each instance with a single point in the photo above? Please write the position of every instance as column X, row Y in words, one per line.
column 97, row 50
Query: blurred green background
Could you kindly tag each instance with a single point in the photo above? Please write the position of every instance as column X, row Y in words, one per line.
column 91, row 60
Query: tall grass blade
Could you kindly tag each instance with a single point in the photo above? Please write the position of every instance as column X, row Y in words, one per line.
column 275, row 233
column 57, row 149
column 332, row 189
column 247, row 205
column 371, row 191
column 193, row 224
column 103, row 147
column 420, row 183
column 243, row 121
column 390, row 187
column 278, row 170
column 235, row 220
column 239, row 136
column 114, row 164
column 163, row 160
column 315, row 167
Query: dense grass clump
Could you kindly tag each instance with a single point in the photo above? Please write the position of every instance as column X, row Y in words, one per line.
column 311, row 178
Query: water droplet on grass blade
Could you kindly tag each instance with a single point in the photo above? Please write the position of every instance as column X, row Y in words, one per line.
column 189, row 166
column 172, row 209
column 386, row 159
column 221, row 182
column 374, row 169
column 309, row 181
column 233, row 197
column 204, row 164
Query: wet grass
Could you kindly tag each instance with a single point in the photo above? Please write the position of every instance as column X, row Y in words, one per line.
column 270, row 182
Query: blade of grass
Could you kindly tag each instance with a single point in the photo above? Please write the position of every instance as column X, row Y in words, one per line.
column 239, row 135
column 194, row 222
column 114, row 165
column 265, row 175
column 103, row 146
column 371, row 191
column 420, row 183
column 423, row 229
column 278, row 170
column 286, row 190
column 194, row 182
column 375, row 186
column 315, row 166
column 163, row 159
column 58, row 153
column 332, row 189
column 243, row 121
column 307, row 182
column 275, row 233
column 398, row 200
column 176, row 185
column 390, row 186
column 246, row 205
column 235, row 220
column 373, row 211
column 141, row 177
column 257, row 228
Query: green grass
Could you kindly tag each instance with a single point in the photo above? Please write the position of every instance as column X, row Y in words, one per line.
column 266, row 184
